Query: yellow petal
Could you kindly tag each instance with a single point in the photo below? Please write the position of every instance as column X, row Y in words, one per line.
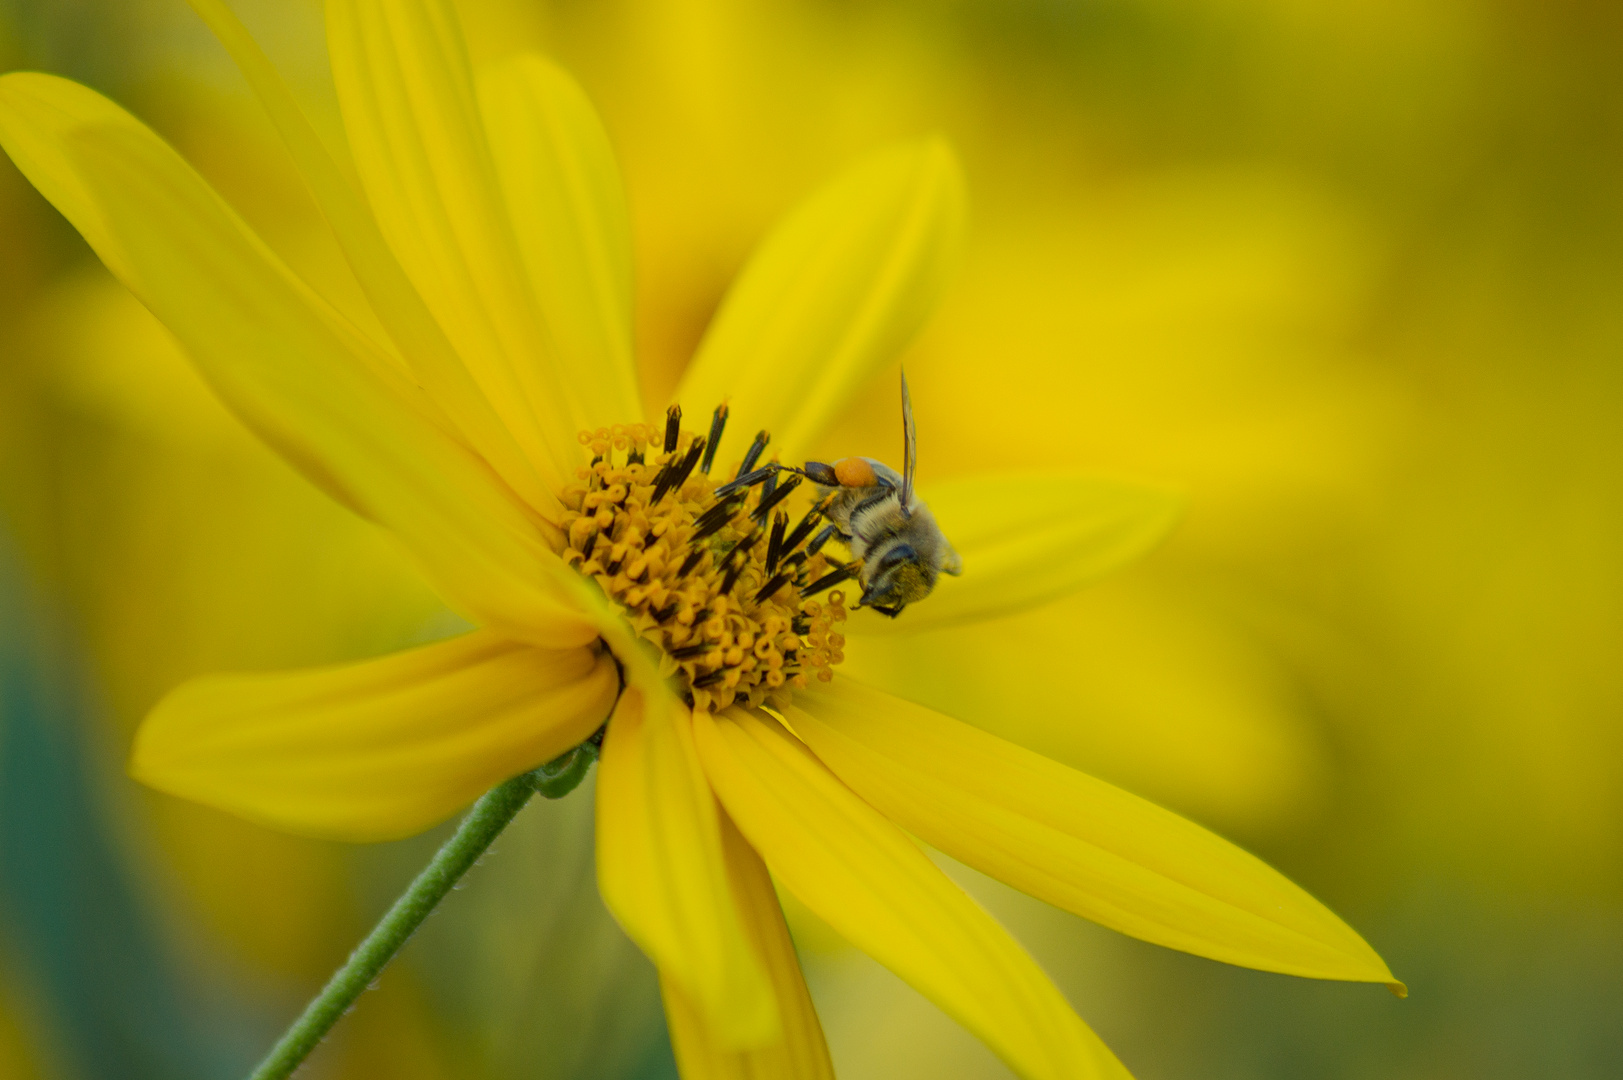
column 1159, row 695
column 379, row 749
column 874, row 886
column 662, row 871
column 1026, row 539
column 414, row 127
column 569, row 214
column 296, row 372
column 831, row 297
column 1074, row 841
column 802, row 1054
column 401, row 311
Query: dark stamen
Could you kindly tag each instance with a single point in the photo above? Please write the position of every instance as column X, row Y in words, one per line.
column 743, row 545
column 734, row 568
column 688, row 652
column 828, row 581
column 694, row 453
column 769, row 487
column 819, row 540
column 710, row 678
column 661, row 479
column 769, row 501
column 803, row 530
column 718, row 423
column 673, row 476
column 688, row 564
column 774, row 546
column 586, row 548
column 754, row 454
column 778, row 581
column 634, row 457
column 667, row 611
column 749, row 479
column 800, row 625
column 713, row 519
column 673, row 427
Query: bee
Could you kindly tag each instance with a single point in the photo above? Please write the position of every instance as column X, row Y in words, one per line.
column 878, row 515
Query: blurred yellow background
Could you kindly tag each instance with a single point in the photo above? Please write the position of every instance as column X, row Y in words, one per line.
column 1349, row 277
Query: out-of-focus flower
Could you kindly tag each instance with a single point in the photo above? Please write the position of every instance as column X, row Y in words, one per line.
column 497, row 269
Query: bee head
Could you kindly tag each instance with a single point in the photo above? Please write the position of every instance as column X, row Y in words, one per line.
column 898, row 577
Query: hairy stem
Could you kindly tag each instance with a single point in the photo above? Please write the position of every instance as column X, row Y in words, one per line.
column 489, row 816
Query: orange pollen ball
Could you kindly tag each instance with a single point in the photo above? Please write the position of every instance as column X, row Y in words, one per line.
column 720, row 583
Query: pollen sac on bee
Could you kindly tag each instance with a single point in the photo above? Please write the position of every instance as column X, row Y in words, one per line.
column 731, row 594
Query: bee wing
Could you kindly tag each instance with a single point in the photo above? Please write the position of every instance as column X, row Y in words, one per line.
column 910, row 449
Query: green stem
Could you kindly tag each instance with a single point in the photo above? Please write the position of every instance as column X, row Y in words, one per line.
column 489, row 816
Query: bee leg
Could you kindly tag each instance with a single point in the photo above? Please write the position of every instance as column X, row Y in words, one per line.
column 889, row 612
column 828, row 533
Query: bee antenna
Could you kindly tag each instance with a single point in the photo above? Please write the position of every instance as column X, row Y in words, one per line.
column 910, row 449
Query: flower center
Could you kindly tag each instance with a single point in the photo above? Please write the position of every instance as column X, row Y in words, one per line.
column 720, row 582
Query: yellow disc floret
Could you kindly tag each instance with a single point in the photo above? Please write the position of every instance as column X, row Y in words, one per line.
column 715, row 577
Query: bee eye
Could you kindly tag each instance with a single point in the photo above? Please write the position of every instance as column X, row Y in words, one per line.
column 821, row 473
column 896, row 556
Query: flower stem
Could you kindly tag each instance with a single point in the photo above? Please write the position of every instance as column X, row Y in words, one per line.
column 489, row 816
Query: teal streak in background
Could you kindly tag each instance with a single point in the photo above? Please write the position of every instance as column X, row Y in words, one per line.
column 73, row 933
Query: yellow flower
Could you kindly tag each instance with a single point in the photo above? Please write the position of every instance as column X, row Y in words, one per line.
column 485, row 225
